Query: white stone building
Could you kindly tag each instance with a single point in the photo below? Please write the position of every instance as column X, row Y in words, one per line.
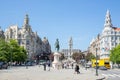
column 28, row 39
column 95, row 46
column 109, row 38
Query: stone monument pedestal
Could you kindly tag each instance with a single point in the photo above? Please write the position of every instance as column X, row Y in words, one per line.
column 56, row 63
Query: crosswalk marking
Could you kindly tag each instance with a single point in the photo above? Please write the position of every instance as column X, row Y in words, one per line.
column 104, row 74
column 117, row 75
column 111, row 75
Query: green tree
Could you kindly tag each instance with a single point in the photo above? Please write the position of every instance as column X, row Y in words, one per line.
column 89, row 56
column 20, row 55
column 4, row 49
column 115, row 54
column 77, row 56
column 17, row 53
column 62, row 57
column 11, row 51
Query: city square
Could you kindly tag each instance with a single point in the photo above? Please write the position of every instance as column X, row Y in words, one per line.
column 37, row 73
column 59, row 40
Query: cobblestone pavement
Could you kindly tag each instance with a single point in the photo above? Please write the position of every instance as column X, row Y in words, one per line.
column 37, row 73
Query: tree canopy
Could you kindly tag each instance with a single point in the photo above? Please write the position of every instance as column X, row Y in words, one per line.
column 89, row 56
column 11, row 51
column 77, row 56
column 115, row 54
column 62, row 57
column 3, row 50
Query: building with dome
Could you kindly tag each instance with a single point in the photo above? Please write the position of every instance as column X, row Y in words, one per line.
column 28, row 39
column 108, row 39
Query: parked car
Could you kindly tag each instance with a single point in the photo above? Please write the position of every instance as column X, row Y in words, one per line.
column 102, row 68
column 3, row 65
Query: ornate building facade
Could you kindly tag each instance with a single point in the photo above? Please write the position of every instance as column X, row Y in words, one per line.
column 28, row 39
column 95, row 46
column 108, row 39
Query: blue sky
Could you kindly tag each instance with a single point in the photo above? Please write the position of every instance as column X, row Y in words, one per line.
column 81, row 19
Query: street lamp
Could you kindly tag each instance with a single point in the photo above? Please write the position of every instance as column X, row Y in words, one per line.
column 96, row 64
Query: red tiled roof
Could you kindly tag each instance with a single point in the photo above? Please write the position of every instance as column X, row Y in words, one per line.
column 116, row 29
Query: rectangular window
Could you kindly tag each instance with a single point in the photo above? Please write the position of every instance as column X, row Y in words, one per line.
column 27, row 42
column 19, row 36
column 111, row 32
column 112, row 44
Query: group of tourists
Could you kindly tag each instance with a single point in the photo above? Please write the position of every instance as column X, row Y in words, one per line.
column 72, row 66
column 67, row 65
column 64, row 66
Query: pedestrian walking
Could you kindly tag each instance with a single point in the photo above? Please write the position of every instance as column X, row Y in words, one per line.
column 62, row 65
column 77, row 69
column 72, row 65
column 49, row 66
column 44, row 66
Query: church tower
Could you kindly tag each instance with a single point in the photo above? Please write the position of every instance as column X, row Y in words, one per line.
column 70, row 47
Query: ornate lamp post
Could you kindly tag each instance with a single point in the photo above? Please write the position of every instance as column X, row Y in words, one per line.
column 96, row 64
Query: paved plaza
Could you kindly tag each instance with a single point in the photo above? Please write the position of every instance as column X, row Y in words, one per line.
column 37, row 73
